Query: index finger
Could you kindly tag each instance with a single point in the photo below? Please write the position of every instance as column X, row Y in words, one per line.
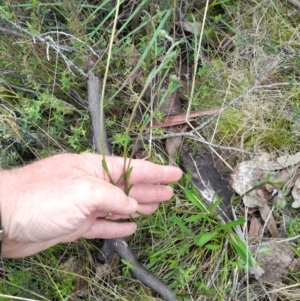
column 142, row 171
column 148, row 172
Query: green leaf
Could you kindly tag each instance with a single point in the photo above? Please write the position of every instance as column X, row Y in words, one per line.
column 182, row 226
column 193, row 199
column 232, row 224
column 104, row 165
column 214, row 205
column 128, row 172
column 266, row 249
column 193, row 218
column 241, row 249
column 278, row 184
column 205, row 238
column 212, row 247
column 128, row 264
column 128, row 189
column 268, row 177
column 202, row 239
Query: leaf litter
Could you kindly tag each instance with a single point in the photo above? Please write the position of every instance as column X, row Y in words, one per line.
column 259, row 182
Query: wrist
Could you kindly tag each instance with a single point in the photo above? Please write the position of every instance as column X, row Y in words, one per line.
column 5, row 193
column 1, row 233
column 1, row 212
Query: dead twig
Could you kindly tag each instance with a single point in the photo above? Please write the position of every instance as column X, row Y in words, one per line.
column 194, row 137
column 94, row 88
column 172, row 120
column 47, row 39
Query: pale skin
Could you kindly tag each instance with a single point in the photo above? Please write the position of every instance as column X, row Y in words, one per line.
column 68, row 196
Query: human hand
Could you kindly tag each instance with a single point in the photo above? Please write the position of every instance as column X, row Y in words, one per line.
column 68, row 196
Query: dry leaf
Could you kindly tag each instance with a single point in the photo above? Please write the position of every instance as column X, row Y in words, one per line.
column 289, row 160
column 132, row 63
column 275, row 258
column 270, row 166
column 252, row 200
column 251, row 210
column 280, row 163
column 245, row 176
column 248, row 173
column 267, row 216
column 103, row 270
column 142, row 154
column 190, row 27
column 172, row 146
column 72, row 265
column 287, row 176
column 296, row 194
column 255, row 229
column 268, row 80
column 266, row 163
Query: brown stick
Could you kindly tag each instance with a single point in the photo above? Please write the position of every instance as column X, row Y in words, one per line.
column 177, row 119
column 94, row 92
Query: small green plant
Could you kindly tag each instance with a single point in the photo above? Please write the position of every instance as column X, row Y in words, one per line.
column 293, row 231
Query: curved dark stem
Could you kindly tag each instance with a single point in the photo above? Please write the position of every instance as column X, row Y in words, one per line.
column 139, row 272
column 119, row 245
